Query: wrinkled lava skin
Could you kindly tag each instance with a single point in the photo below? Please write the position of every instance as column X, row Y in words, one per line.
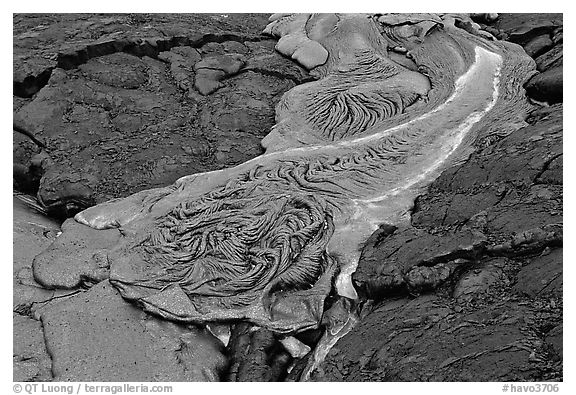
column 266, row 240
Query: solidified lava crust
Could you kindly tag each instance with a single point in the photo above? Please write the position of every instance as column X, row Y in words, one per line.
column 341, row 197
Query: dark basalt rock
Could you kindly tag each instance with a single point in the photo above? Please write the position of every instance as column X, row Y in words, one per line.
column 116, row 341
column 521, row 28
column 431, row 339
column 538, row 45
column 547, row 86
column 211, row 70
column 64, row 193
column 412, row 260
column 32, row 233
column 45, row 41
column 550, row 59
column 541, row 36
column 256, row 355
column 511, row 295
column 542, row 276
column 505, row 175
column 99, row 111
column 31, row 360
column 554, row 339
column 53, row 270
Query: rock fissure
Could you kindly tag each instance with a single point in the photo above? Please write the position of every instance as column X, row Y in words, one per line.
column 545, row 167
column 140, row 47
column 276, row 74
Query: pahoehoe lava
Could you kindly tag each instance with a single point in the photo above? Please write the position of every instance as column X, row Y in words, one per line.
column 398, row 99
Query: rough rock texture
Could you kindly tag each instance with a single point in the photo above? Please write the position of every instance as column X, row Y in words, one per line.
column 547, row 86
column 32, row 233
column 431, row 339
column 256, row 355
column 522, row 28
column 46, row 41
column 485, row 252
column 31, row 361
column 483, row 244
column 543, row 276
column 89, row 86
column 252, row 242
column 53, row 270
column 541, row 36
column 121, row 106
column 31, row 230
column 97, row 336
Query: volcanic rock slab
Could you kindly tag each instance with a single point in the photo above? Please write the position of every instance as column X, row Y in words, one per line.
column 541, row 36
column 98, row 109
column 256, row 355
column 52, row 268
column 427, row 339
column 32, row 233
column 31, row 361
column 97, row 336
column 547, row 86
column 43, row 41
column 495, row 312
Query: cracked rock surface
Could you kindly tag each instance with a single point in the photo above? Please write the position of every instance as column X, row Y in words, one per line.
column 32, row 233
column 473, row 289
column 468, row 289
column 97, row 336
column 114, row 102
column 124, row 103
column 94, row 335
column 262, row 241
column 541, row 36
